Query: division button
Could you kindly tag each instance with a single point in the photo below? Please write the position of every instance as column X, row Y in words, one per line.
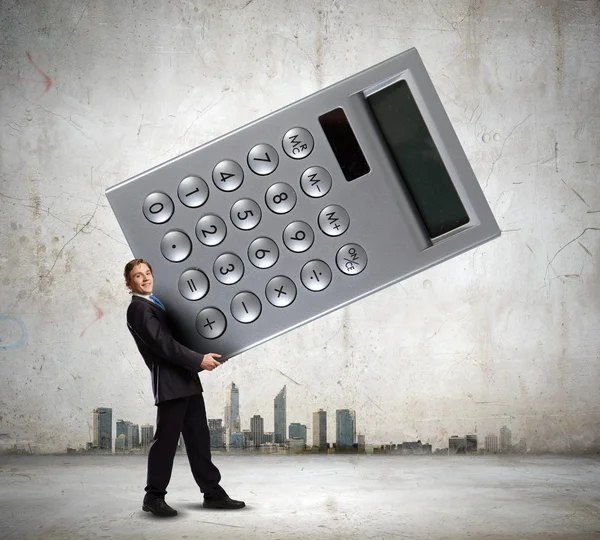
column 228, row 268
column 211, row 230
column 280, row 198
column 315, row 275
column 351, row 259
column 298, row 236
column 193, row 284
column 263, row 252
column 192, row 191
column 298, row 143
column 280, row 291
column 315, row 182
column 228, row 175
column 176, row 246
column 334, row 220
column 245, row 214
column 263, row 159
column 245, row 307
column 211, row 323
column 158, row 207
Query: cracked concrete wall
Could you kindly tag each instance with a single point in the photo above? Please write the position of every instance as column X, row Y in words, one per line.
column 92, row 93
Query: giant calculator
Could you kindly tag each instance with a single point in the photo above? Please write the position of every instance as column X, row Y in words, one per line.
column 308, row 209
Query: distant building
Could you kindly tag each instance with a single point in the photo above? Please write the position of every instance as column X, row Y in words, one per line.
column 471, row 444
column 102, row 428
column 257, row 427
column 297, row 430
column 491, row 443
column 121, row 443
column 296, row 444
column 505, row 439
column 320, row 429
column 457, row 445
column 344, row 429
column 232, row 412
column 217, row 433
column 280, row 417
column 361, row 444
column 147, row 436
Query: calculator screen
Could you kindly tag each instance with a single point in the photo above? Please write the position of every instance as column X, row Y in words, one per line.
column 417, row 159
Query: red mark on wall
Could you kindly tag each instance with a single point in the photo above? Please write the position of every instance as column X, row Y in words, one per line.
column 48, row 80
column 99, row 315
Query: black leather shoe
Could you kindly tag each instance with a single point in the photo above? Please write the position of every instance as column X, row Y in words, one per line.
column 225, row 504
column 159, row 508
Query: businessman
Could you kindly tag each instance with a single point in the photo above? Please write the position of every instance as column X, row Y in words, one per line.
column 177, row 395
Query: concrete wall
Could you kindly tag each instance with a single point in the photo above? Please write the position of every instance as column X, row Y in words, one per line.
column 92, row 93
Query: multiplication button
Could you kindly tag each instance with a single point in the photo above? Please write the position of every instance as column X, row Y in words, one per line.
column 176, row 246
column 211, row 230
column 211, row 323
column 228, row 268
column 298, row 143
column 298, row 236
column 158, row 207
column 245, row 214
column 351, row 259
column 334, row 220
column 228, row 175
column 263, row 159
column 315, row 182
column 245, row 307
column 281, row 198
column 263, row 252
column 192, row 191
column 280, row 291
column 193, row 284
column 315, row 275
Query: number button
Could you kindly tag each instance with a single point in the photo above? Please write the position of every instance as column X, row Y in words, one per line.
column 211, row 323
column 158, row 207
column 281, row 198
column 193, row 284
column 315, row 182
column 263, row 253
column 263, row 159
column 298, row 143
column 245, row 307
column 280, row 291
column 228, row 268
column 315, row 275
column 334, row 220
column 176, row 246
column 351, row 259
column 298, row 236
column 211, row 230
column 245, row 214
column 192, row 191
column 228, row 175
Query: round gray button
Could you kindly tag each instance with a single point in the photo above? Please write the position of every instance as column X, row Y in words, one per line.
column 280, row 291
column 246, row 307
column 211, row 323
column 263, row 159
column 334, row 220
column 192, row 191
column 176, row 246
column 245, row 214
column 228, row 268
column 298, row 236
column 315, row 182
column 263, row 252
column 211, row 230
column 280, row 198
column 193, row 284
column 315, row 275
column 298, row 143
column 228, row 175
column 351, row 259
column 158, row 207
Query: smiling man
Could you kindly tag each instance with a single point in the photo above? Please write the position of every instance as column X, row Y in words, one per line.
column 177, row 395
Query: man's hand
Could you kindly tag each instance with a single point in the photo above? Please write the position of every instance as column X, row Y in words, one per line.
column 209, row 363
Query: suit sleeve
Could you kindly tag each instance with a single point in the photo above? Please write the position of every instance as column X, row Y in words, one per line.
column 159, row 339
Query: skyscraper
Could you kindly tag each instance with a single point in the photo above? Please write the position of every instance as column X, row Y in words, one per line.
column 320, row 428
column 280, row 417
column 491, row 443
column 232, row 412
column 505, row 439
column 344, row 429
column 353, row 415
column 257, row 427
column 217, row 433
column 102, row 428
column 297, row 431
column 147, row 436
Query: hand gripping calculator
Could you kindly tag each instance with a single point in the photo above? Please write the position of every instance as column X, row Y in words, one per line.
column 306, row 210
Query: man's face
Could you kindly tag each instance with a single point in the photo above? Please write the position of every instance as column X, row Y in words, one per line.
column 140, row 279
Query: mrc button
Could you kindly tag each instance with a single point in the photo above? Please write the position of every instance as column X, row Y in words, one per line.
column 298, row 143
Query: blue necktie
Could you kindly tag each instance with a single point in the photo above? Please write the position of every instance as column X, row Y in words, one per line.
column 157, row 302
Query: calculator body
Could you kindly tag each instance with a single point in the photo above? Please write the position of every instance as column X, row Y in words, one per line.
column 306, row 210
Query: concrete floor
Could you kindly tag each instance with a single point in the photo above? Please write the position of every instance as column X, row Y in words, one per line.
column 299, row 497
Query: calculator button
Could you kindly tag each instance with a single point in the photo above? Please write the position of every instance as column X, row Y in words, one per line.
column 211, row 230
column 192, row 191
column 210, row 323
column 334, row 220
column 298, row 236
column 228, row 268
column 281, row 198
column 228, row 175
column 298, row 143
column 158, row 207
column 263, row 159
column 263, row 253
column 351, row 259
column 246, row 307
column 176, row 246
column 245, row 214
column 315, row 275
column 315, row 182
column 193, row 284
column 280, row 291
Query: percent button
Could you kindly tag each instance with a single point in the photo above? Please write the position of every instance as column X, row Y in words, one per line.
column 351, row 259
column 315, row 275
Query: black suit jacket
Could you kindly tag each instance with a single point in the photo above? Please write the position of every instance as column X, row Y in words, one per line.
column 173, row 366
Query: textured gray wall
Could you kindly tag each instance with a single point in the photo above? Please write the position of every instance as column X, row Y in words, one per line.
column 92, row 93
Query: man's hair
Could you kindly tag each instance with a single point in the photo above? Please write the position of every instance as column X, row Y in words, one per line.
column 131, row 265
